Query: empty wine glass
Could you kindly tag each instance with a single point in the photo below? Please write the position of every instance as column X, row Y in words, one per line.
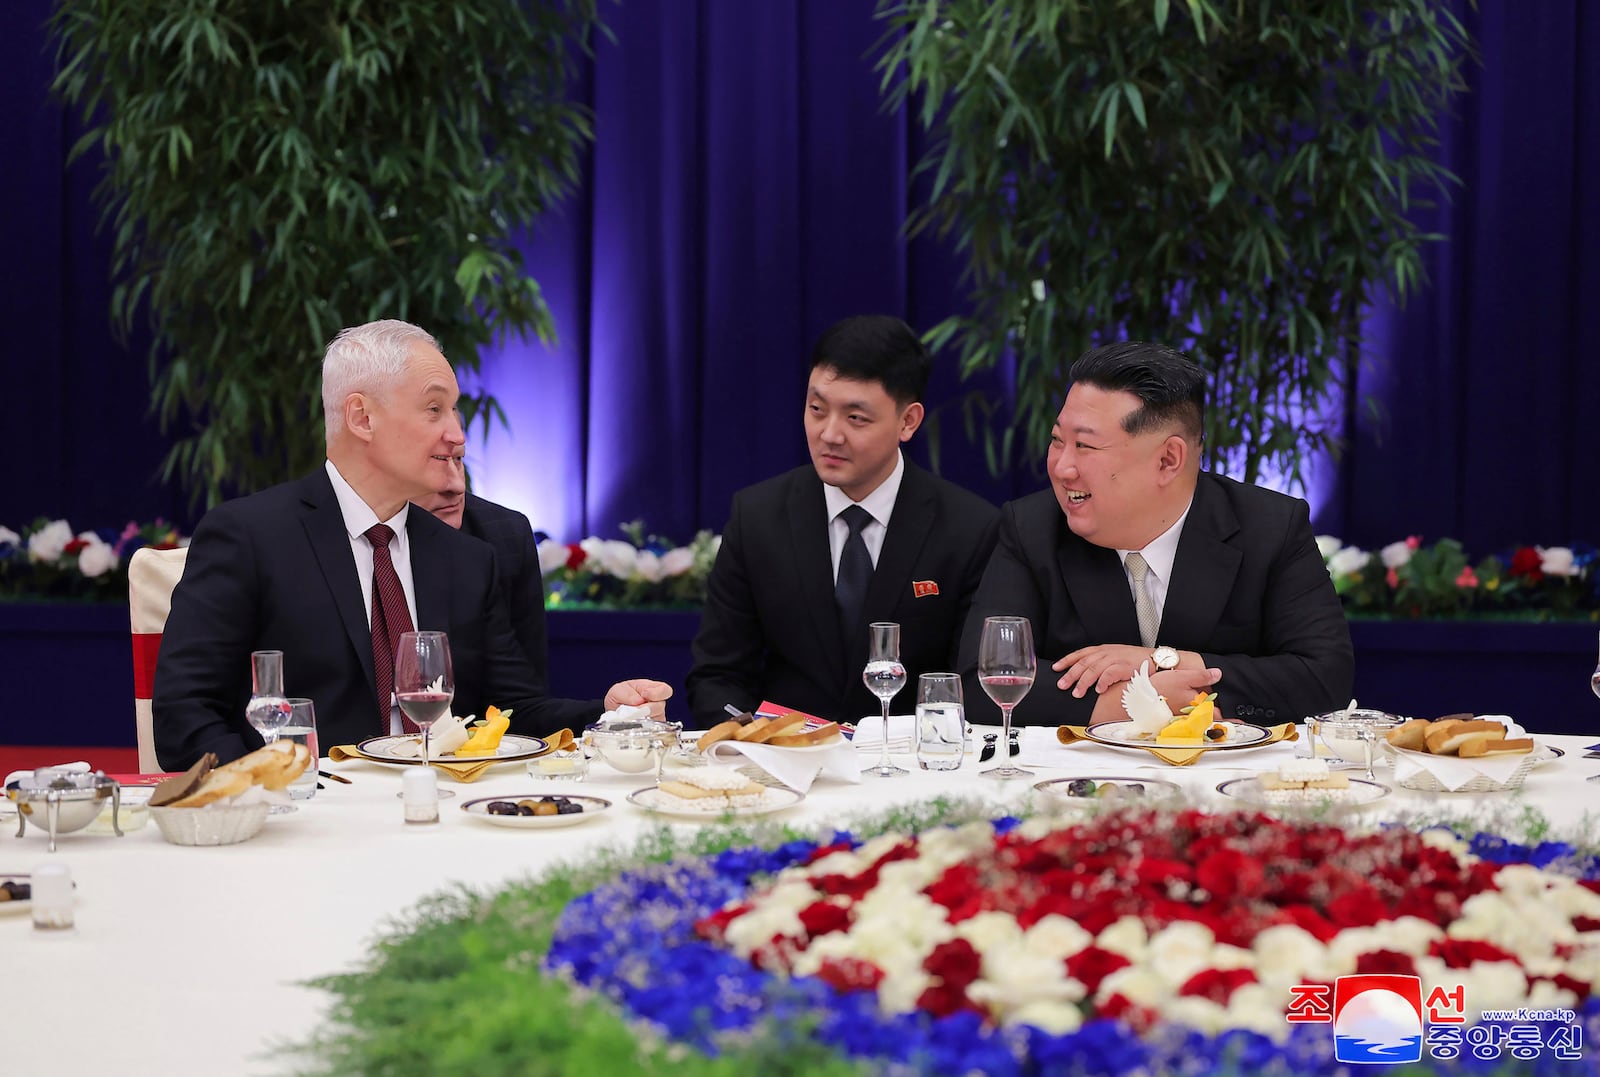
column 424, row 684
column 884, row 676
column 1006, row 666
column 268, row 711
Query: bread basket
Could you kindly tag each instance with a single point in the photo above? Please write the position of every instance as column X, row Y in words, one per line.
column 1423, row 780
column 211, row 825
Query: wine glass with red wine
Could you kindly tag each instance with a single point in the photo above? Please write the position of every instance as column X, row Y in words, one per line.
column 1006, row 665
column 424, row 683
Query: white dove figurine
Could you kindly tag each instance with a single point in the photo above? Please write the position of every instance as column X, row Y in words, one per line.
column 1146, row 708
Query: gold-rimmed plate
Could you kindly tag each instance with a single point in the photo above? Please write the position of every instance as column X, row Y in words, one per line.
column 391, row 751
column 593, row 808
column 1122, row 734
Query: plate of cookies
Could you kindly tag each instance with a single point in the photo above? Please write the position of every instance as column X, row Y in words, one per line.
column 713, row 792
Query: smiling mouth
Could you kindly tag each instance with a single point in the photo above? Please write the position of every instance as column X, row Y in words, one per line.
column 1076, row 497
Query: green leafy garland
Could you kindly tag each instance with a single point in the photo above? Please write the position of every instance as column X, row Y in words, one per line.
column 456, row 986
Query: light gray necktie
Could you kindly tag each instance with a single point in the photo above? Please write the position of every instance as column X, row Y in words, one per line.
column 1143, row 608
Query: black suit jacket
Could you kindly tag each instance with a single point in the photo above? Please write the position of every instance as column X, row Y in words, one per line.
column 517, row 561
column 275, row 571
column 770, row 628
column 1249, row 591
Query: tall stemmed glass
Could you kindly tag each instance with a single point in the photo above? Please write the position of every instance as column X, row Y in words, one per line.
column 1006, row 665
column 1594, row 679
column 268, row 711
column 884, row 676
column 424, row 683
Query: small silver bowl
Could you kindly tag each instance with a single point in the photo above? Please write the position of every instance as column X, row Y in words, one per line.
column 632, row 745
column 62, row 801
column 1350, row 735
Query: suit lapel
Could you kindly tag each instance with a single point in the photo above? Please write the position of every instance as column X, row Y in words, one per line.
column 1203, row 571
column 430, row 573
column 1098, row 589
column 330, row 545
column 813, row 559
column 909, row 527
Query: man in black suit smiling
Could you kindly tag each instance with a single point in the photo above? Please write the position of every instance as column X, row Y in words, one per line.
column 811, row 557
column 1136, row 555
column 312, row 566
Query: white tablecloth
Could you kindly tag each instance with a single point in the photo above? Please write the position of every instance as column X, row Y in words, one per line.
column 191, row 958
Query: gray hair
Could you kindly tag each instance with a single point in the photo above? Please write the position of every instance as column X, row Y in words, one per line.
column 366, row 359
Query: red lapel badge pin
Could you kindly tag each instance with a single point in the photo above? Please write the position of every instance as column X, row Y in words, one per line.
column 923, row 588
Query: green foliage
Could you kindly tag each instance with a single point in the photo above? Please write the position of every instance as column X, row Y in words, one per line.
column 1232, row 179
column 275, row 171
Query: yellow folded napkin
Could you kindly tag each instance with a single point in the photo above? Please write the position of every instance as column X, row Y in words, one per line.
column 1176, row 757
column 461, row 771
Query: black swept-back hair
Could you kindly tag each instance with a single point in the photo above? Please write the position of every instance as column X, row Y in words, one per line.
column 1170, row 385
column 880, row 348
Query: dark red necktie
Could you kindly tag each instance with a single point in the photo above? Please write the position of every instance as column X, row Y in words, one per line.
column 390, row 617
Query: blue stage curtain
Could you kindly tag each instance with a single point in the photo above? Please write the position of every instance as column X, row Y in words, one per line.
column 747, row 189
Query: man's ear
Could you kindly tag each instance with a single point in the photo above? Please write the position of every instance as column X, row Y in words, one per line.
column 1174, row 456
column 910, row 419
column 358, row 415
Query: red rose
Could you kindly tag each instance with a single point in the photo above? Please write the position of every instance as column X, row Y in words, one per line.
column 74, row 546
column 821, row 917
column 575, row 556
column 1218, row 985
column 1525, row 562
column 1153, row 871
column 1585, row 923
column 1580, row 988
column 715, row 926
column 1386, row 962
column 1463, row 953
column 955, row 962
column 850, row 974
column 1360, row 906
column 942, row 1000
column 827, row 850
column 1119, row 1008
column 1229, row 874
column 956, row 886
column 1091, row 964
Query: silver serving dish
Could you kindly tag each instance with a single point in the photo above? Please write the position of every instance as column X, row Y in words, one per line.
column 1356, row 736
column 632, row 745
column 62, row 801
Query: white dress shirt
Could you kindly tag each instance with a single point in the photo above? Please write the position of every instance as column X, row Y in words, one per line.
column 358, row 517
column 879, row 505
column 1159, row 554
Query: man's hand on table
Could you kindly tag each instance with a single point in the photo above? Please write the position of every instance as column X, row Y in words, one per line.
column 1177, row 686
column 638, row 693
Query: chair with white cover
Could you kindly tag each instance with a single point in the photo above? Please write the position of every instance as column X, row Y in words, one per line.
column 152, row 574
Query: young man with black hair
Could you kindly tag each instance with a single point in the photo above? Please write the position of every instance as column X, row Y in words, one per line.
column 813, row 556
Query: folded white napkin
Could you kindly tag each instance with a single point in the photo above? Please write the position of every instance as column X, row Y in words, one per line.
column 797, row 768
column 1041, row 748
column 902, row 732
column 79, row 767
column 1453, row 772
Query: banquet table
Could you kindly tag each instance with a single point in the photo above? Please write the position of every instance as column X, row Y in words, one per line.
column 198, row 957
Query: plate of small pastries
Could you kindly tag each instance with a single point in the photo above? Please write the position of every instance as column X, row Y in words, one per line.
column 791, row 730
column 1303, row 784
column 1471, row 740
column 714, row 792
column 536, row 811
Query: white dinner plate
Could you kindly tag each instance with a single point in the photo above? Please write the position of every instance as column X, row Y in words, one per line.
column 512, row 748
column 1359, row 793
column 1157, row 792
column 1121, row 735
column 653, row 800
column 593, row 807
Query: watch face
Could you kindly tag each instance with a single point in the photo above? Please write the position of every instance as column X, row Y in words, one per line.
column 1165, row 658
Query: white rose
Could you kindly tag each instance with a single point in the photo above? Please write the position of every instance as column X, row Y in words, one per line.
column 1348, row 561
column 552, row 556
column 1127, row 937
column 1180, row 950
column 611, row 556
column 1327, row 546
column 677, row 562
column 47, row 543
column 1258, row 1008
column 1395, row 554
column 1556, row 561
column 96, row 559
column 1138, row 985
column 1201, row 1014
column 1287, row 954
column 1057, row 936
column 990, row 933
column 647, row 567
column 1056, row 1018
column 1012, row 978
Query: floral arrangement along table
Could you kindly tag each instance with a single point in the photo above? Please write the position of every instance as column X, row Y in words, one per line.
column 1109, row 943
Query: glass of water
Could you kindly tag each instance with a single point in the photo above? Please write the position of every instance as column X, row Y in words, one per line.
column 941, row 721
column 302, row 729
